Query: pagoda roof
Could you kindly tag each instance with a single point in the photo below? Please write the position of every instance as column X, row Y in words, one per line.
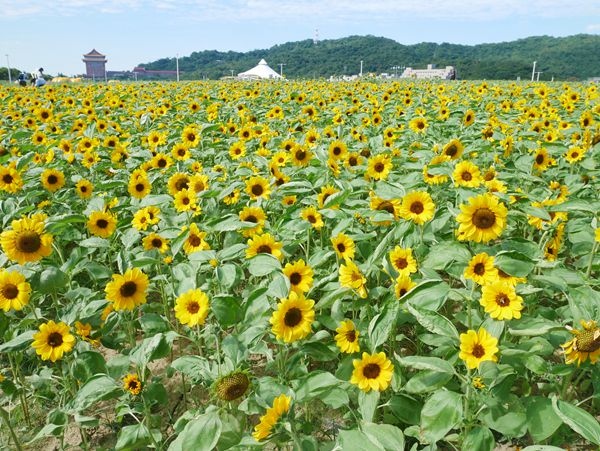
column 94, row 52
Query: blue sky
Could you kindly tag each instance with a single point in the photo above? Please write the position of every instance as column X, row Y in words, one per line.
column 55, row 34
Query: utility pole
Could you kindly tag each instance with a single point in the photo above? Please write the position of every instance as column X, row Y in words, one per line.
column 8, row 64
column 231, row 72
column 177, row 65
column 533, row 72
column 281, row 69
column 361, row 67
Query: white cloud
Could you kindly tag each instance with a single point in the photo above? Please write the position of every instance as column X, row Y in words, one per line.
column 244, row 10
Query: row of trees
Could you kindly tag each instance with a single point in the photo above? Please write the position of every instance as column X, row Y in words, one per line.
column 572, row 57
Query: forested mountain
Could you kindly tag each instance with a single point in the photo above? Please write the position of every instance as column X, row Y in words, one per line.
column 570, row 58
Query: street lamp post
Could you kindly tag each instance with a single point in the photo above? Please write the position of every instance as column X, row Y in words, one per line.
column 281, row 69
column 361, row 67
column 533, row 72
column 177, row 64
column 8, row 64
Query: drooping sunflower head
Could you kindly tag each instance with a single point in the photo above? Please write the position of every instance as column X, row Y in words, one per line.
column 585, row 344
column 232, row 386
column 403, row 285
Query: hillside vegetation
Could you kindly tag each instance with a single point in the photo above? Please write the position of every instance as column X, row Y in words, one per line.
column 568, row 58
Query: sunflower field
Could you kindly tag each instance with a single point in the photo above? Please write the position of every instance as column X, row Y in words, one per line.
column 300, row 265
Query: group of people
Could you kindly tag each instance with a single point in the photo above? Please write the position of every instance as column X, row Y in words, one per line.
column 37, row 80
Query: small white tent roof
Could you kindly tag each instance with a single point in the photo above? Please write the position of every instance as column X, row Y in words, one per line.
column 262, row 70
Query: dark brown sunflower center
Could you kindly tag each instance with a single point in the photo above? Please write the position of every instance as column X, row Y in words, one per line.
column 387, row 206
column 478, row 351
column 193, row 307
column 181, row 184
column 403, row 291
column 479, row 269
column 351, row 336
column 588, row 340
column 420, row 125
column 194, row 240
column 52, row 179
column 10, row 291
column 574, row 154
column 128, row 289
column 371, row 371
column 352, row 161
column 29, row 242
column 295, row 278
column 379, row 167
column 539, row 159
column 102, row 223
column 257, row 190
column 311, row 219
column 337, row 150
column 133, row 385
column 233, row 389
column 451, row 150
column 401, row 263
column 264, row 249
column 417, row 207
column 502, row 300
column 341, row 248
column 55, row 339
column 162, row 163
column 157, row 242
column 300, row 155
column 484, row 218
column 191, row 137
column 185, row 201
column 466, row 176
column 7, row 178
column 292, row 317
column 251, row 218
column 83, row 189
column 139, row 187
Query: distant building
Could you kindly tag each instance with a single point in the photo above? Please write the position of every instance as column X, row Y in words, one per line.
column 260, row 71
column 142, row 72
column 95, row 64
column 448, row 73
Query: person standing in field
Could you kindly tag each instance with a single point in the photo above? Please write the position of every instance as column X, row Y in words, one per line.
column 40, row 81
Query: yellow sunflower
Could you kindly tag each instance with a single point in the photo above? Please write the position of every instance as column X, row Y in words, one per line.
column 300, row 275
column 102, row 223
column 264, row 244
column 542, row 160
column 84, row 188
column 292, row 319
column 27, row 242
column 347, row 337
column 350, row 276
column 326, row 192
column 53, row 340
column 585, row 344
column 466, row 174
column 10, row 179
column 501, row 301
column 52, row 179
column 403, row 285
column 195, row 240
column 343, row 246
column 178, row 182
column 418, row 125
column 258, row 187
column 313, row 217
column 392, row 206
column 417, row 206
column 482, row 220
column 453, row 149
column 300, row 155
column 264, row 428
column 139, row 187
column 185, row 200
column 379, row 167
column 191, row 308
column 255, row 215
column 481, row 269
column 477, row 347
column 14, row 290
column 468, row 118
column 372, row 372
column 155, row 241
column 127, row 291
column 132, row 384
column 338, row 150
column 403, row 261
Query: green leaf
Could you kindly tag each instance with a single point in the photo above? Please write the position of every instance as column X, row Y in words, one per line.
column 152, row 348
column 200, row 434
column 406, row 408
column 427, row 363
column 135, row 437
column 434, row 322
column 507, row 422
column 367, row 404
column 577, row 419
column 542, row 421
column 388, row 436
column 98, row 388
column 356, row 440
column 88, row 364
column 428, row 295
column 532, row 326
column 441, row 255
column 382, row 325
column 227, row 275
column 231, row 252
column 227, row 310
column 479, row 438
column 427, row 381
column 514, row 263
column 18, row 343
column 314, row 384
column 442, row 412
column 52, row 280
column 263, row 264
column 193, row 366
column 94, row 242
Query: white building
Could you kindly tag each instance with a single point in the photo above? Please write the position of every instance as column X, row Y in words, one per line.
column 262, row 70
column 448, row 73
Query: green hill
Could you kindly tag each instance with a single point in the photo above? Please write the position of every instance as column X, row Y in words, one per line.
column 570, row 58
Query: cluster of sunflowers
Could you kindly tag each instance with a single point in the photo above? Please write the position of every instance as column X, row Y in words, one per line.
column 308, row 264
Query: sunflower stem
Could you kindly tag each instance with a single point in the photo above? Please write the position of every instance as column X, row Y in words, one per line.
column 467, row 406
column 590, row 263
column 218, row 349
column 6, row 418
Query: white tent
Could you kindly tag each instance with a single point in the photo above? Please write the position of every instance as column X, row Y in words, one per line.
column 262, row 70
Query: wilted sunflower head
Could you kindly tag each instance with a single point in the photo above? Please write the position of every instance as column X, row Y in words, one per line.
column 232, row 386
